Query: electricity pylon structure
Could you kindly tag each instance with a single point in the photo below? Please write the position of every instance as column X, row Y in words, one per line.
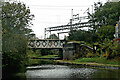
column 67, row 27
column 70, row 26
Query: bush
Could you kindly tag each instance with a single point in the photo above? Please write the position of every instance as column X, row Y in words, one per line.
column 90, row 55
column 75, row 56
column 13, row 63
column 110, row 49
column 38, row 52
column 45, row 52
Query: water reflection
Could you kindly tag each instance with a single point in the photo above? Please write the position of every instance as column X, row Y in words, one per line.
column 58, row 71
column 68, row 72
column 101, row 73
column 61, row 71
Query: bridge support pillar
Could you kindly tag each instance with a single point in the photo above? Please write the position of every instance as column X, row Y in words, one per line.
column 60, row 54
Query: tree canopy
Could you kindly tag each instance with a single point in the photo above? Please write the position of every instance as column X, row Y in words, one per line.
column 105, row 32
column 80, row 35
column 106, row 14
column 102, row 31
column 16, row 20
column 53, row 36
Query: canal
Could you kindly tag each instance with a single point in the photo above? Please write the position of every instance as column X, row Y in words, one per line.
column 65, row 71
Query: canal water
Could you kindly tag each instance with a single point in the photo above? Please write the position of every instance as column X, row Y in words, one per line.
column 64, row 71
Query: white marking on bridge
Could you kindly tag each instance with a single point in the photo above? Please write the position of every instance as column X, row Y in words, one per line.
column 46, row 43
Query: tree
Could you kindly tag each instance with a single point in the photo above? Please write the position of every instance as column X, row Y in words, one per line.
column 106, row 14
column 80, row 35
column 16, row 20
column 53, row 36
column 105, row 32
column 17, row 17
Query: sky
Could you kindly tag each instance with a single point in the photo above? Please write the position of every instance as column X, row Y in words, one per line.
column 51, row 13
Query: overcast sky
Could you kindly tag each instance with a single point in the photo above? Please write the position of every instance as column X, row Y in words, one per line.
column 50, row 13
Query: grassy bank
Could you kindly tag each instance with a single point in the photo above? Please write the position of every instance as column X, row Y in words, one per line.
column 49, row 56
column 38, row 55
column 41, row 61
column 38, row 61
column 101, row 61
column 97, row 61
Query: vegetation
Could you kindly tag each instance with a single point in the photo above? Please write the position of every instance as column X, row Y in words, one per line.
column 53, row 36
column 101, row 35
column 96, row 61
column 49, row 56
column 80, row 35
column 38, row 54
column 31, row 53
column 16, row 20
column 39, row 62
column 106, row 14
column 105, row 32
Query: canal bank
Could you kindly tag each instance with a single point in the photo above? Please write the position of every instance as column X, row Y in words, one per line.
column 45, row 68
column 88, row 64
column 39, row 61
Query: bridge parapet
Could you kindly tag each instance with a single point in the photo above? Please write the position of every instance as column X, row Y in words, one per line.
column 46, row 43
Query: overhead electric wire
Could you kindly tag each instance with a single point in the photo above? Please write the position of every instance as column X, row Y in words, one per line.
column 58, row 6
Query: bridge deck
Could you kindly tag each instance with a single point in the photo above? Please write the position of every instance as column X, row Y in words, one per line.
column 46, row 43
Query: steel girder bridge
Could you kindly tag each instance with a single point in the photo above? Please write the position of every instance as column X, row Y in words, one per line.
column 46, row 44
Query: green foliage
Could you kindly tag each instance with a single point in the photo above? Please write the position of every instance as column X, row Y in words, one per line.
column 39, row 62
column 49, row 56
column 106, row 14
column 13, row 63
column 105, row 32
column 91, row 55
column 16, row 19
column 55, row 51
column 110, row 49
column 14, row 43
column 80, row 35
column 75, row 56
column 38, row 52
column 87, row 59
column 46, row 52
column 53, row 36
column 97, row 60
column 31, row 53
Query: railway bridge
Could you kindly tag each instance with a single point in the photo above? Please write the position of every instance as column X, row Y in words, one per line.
column 46, row 43
column 61, row 45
